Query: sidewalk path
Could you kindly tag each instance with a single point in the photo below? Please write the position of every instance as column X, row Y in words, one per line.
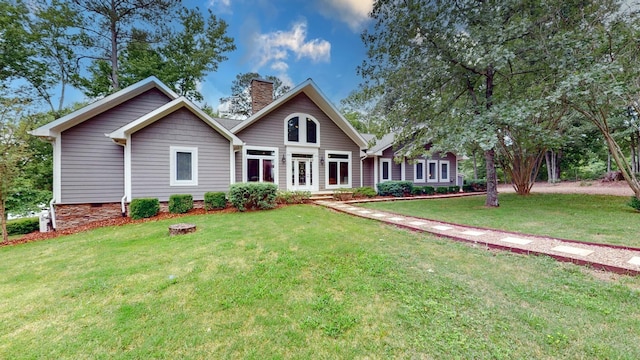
column 618, row 259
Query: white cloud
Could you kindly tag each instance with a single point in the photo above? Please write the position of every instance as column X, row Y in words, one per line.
column 220, row 5
column 354, row 13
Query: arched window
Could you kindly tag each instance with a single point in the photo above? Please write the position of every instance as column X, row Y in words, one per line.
column 302, row 129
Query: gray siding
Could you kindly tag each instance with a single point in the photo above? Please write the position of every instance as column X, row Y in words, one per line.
column 269, row 131
column 92, row 166
column 409, row 167
column 150, row 156
column 367, row 172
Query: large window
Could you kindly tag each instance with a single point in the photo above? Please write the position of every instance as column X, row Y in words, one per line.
column 183, row 166
column 432, row 171
column 419, row 171
column 385, row 169
column 260, row 165
column 338, row 170
column 301, row 129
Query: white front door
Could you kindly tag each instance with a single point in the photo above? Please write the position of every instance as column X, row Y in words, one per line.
column 302, row 177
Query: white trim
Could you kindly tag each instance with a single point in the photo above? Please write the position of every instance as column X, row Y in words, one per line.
column 232, row 165
column 302, row 130
column 375, row 174
column 448, row 163
column 326, row 169
column 315, row 168
column 127, row 169
column 56, row 143
column 275, row 160
column 173, row 150
column 403, row 169
column 428, row 171
column 423, row 179
column 390, row 170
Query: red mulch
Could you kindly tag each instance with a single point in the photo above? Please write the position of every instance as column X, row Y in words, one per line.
column 38, row 236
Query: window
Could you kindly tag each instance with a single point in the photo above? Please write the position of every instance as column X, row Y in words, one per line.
column 183, row 166
column 260, row 165
column 444, row 171
column 301, row 129
column 385, row 169
column 419, row 171
column 338, row 171
column 432, row 171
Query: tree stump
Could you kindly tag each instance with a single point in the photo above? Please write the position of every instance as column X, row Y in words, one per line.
column 183, row 228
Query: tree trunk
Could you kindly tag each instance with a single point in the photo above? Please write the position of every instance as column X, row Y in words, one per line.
column 552, row 159
column 618, row 156
column 492, row 179
column 3, row 219
column 114, row 55
column 475, row 165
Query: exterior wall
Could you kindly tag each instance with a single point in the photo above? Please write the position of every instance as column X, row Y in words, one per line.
column 409, row 168
column 269, row 132
column 71, row 216
column 92, row 166
column 367, row 172
column 150, row 157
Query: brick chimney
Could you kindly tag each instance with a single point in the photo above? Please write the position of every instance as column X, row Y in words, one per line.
column 261, row 94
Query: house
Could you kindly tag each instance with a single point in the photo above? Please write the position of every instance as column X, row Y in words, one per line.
column 146, row 141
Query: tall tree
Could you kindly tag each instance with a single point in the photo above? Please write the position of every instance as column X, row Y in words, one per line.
column 240, row 99
column 15, row 52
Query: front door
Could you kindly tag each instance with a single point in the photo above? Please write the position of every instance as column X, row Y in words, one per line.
column 302, row 172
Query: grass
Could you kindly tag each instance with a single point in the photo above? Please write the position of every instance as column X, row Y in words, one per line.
column 301, row 282
column 592, row 218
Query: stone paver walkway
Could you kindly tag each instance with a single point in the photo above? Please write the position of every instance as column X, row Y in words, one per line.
column 619, row 259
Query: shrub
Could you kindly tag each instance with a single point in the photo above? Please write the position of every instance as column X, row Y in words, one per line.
column 417, row 190
column 180, row 203
column 343, row 194
column 144, row 208
column 634, row 203
column 23, row 226
column 215, row 200
column 475, row 186
column 429, row 190
column 454, row 189
column 442, row 190
column 364, row 191
column 261, row 196
column 292, row 197
column 395, row 188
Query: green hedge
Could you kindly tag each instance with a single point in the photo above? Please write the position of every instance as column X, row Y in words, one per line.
column 23, row 226
column 215, row 200
column 292, row 197
column 428, row 190
column 395, row 188
column 180, row 203
column 260, row 196
column 144, row 208
column 442, row 190
column 365, row 191
column 454, row 189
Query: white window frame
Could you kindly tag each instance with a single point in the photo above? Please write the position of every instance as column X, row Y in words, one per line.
column 423, row 179
column 173, row 181
column 302, row 130
column 273, row 158
column 448, row 164
column 382, row 162
column 428, row 171
column 326, row 169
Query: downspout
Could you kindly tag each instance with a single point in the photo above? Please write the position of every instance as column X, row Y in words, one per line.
column 123, row 205
column 52, row 211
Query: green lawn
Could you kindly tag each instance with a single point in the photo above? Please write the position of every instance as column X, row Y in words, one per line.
column 297, row 283
column 592, row 218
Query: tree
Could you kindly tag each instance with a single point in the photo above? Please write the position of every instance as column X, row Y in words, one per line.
column 15, row 52
column 240, row 99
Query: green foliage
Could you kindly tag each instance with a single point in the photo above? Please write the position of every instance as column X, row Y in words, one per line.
column 292, row 197
column 23, row 226
column 428, row 190
column 215, row 200
column 261, row 196
column 454, row 189
column 417, row 190
column 634, row 202
column 365, row 191
column 343, row 194
column 442, row 190
column 144, row 208
column 474, row 186
column 180, row 203
column 395, row 188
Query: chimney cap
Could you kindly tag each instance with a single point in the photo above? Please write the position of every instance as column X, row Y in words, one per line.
column 261, row 80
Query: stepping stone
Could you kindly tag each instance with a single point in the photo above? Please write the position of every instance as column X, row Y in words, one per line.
column 353, row 209
column 396, row 219
column 418, row 223
column 442, row 227
column 473, row 233
column 379, row 215
column 634, row 260
column 364, row 212
column 515, row 240
column 572, row 250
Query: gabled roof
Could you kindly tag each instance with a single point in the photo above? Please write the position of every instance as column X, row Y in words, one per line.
column 168, row 108
column 381, row 145
column 310, row 89
column 102, row 105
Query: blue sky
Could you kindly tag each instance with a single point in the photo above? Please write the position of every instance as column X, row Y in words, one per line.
column 292, row 39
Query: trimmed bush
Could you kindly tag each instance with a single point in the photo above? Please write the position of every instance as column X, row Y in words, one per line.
column 215, row 200
column 260, row 196
column 180, row 203
column 364, row 191
column 395, row 188
column 442, row 190
column 634, row 203
column 22, row 226
column 292, row 197
column 429, row 190
column 144, row 208
column 454, row 189
column 417, row 190
column 474, row 186
column 343, row 194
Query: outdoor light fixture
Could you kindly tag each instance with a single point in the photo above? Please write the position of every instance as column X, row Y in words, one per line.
column 322, row 160
column 284, row 159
